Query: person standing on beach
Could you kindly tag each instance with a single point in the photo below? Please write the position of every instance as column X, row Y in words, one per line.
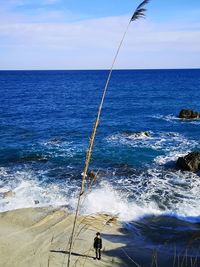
column 98, row 245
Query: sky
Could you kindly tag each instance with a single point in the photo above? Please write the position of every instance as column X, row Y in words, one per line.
column 84, row 34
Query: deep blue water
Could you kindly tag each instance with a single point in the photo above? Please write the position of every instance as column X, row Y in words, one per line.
column 46, row 118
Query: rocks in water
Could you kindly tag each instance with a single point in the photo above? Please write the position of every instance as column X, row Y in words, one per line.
column 190, row 162
column 8, row 194
column 137, row 134
column 189, row 114
column 92, row 175
column 33, row 157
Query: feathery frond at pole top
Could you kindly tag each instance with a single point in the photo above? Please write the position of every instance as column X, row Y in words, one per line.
column 140, row 11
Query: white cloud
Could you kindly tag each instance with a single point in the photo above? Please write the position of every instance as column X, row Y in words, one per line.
column 91, row 44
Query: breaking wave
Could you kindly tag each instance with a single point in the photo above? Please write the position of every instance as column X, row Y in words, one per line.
column 129, row 194
column 22, row 189
column 150, row 193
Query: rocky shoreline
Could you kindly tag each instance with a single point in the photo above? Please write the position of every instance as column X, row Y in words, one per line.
column 39, row 237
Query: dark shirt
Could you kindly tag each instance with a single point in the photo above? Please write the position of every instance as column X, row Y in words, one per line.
column 98, row 243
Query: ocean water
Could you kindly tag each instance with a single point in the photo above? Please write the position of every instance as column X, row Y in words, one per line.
column 46, row 119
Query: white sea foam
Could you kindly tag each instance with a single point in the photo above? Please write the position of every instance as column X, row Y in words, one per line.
column 171, row 157
column 177, row 147
column 195, row 122
column 61, row 148
column 153, row 193
column 167, row 142
column 173, row 119
column 3, row 171
column 179, row 190
column 107, row 200
column 27, row 191
column 173, row 145
column 169, row 118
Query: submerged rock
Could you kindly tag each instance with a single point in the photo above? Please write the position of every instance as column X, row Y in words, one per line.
column 189, row 114
column 8, row 194
column 190, row 162
column 34, row 157
column 137, row 134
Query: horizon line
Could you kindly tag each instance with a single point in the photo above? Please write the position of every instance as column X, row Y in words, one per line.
column 106, row 69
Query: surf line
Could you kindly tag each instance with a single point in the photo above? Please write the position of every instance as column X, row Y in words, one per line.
column 138, row 13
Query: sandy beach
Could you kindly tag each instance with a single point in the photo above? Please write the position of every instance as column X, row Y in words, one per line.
column 39, row 237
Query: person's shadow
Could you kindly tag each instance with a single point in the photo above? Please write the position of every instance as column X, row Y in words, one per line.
column 73, row 253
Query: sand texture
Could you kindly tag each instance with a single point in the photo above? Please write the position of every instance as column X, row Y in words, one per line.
column 39, row 237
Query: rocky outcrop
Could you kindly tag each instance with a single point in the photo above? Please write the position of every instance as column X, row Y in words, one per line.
column 190, row 162
column 137, row 134
column 189, row 114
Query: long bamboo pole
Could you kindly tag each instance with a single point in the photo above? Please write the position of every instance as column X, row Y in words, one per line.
column 137, row 14
column 91, row 142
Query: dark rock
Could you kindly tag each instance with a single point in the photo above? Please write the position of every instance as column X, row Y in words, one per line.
column 34, row 157
column 137, row 134
column 95, row 174
column 92, row 175
column 189, row 114
column 36, row 202
column 190, row 162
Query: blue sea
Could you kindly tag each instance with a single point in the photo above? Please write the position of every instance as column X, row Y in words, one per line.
column 46, row 118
